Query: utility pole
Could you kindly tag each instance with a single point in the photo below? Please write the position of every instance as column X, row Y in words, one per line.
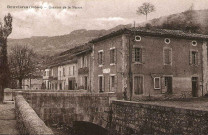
column 5, row 31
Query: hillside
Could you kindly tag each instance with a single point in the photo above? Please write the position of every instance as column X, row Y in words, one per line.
column 191, row 21
column 53, row 45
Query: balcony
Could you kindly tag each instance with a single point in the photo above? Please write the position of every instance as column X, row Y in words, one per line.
column 50, row 78
column 84, row 70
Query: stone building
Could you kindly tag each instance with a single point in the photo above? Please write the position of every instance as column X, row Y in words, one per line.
column 143, row 63
column 69, row 70
column 34, row 83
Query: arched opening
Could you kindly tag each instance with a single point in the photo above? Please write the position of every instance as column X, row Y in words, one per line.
column 87, row 128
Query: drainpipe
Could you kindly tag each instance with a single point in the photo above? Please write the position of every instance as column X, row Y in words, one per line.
column 130, row 72
column 202, row 67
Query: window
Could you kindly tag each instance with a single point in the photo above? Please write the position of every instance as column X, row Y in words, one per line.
column 85, row 82
column 101, row 83
column 167, row 56
column 138, row 54
column 60, row 73
column 194, row 57
column 69, row 71
column 138, row 85
column 112, row 83
column 112, row 56
column 83, row 61
column 157, row 83
column 167, row 41
column 47, row 73
column 73, row 70
column 194, row 43
column 138, row 38
column 63, row 71
column 100, row 57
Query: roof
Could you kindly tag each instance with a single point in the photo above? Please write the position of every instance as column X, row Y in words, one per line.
column 69, row 56
column 152, row 32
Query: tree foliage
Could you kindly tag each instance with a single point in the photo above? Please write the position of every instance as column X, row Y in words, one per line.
column 22, row 62
column 5, row 31
column 145, row 9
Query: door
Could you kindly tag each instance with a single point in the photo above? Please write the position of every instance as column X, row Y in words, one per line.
column 100, row 84
column 168, row 84
column 71, row 85
column 194, row 86
column 85, row 83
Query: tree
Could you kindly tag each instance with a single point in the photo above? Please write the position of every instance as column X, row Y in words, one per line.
column 145, row 9
column 5, row 31
column 22, row 62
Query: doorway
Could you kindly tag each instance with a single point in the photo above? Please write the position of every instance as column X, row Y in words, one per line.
column 71, row 84
column 168, row 84
column 194, row 86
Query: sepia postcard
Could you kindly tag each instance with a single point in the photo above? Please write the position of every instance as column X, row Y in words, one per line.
column 103, row 67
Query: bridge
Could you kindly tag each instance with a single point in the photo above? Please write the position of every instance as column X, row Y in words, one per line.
column 101, row 111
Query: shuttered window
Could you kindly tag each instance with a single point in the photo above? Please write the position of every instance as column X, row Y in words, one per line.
column 63, row 71
column 194, row 58
column 167, row 56
column 85, row 82
column 112, row 56
column 138, row 85
column 100, row 57
column 69, row 71
column 112, row 83
column 138, row 54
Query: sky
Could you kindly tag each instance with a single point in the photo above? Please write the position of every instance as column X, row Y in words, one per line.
column 59, row 17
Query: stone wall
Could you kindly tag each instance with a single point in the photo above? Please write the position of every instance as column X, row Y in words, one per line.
column 28, row 121
column 139, row 118
column 66, row 107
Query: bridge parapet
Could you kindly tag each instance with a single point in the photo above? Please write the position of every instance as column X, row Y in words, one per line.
column 27, row 119
column 67, row 107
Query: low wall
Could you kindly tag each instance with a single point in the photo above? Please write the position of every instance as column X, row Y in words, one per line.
column 28, row 121
column 67, row 107
column 139, row 118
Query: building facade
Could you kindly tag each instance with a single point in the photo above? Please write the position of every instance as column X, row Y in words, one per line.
column 135, row 63
column 143, row 63
column 32, row 83
column 70, row 70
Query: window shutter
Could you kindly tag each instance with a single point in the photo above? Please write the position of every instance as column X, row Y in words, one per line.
column 133, row 54
column 170, row 56
column 190, row 57
column 109, row 83
column 103, row 60
column 143, row 55
column 198, row 58
column 103, row 84
column 110, row 52
column 115, row 85
column 98, row 58
column 163, row 85
column 115, row 56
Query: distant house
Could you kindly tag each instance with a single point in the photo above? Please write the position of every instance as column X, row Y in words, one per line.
column 32, row 83
column 69, row 70
column 84, row 64
column 141, row 63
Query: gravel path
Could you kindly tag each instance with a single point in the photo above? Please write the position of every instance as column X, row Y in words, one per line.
column 7, row 119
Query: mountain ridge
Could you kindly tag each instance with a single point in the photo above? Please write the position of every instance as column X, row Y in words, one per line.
column 194, row 21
